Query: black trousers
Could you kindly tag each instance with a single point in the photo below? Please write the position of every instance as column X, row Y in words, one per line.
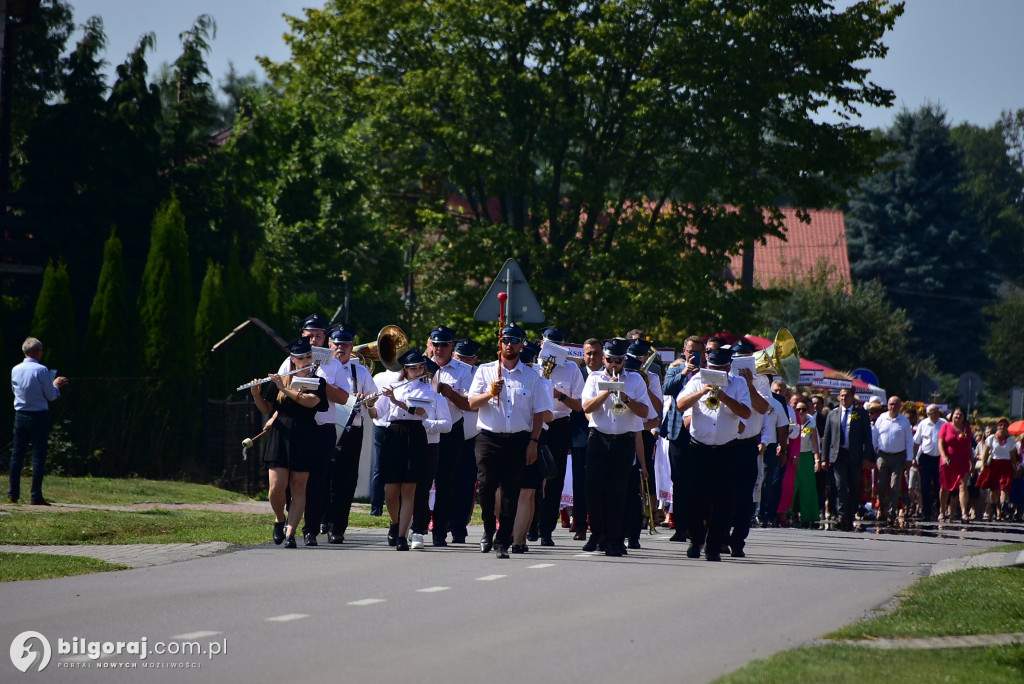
column 929, row 467
column 579, row 488
column 465, row 490
column 344, row 477
column 319, row 478
column 847, row 472
column 634, row 492
column 500, row 460
column 710, row 491
column 743, row 492
column 559, row 441
column 449, row 453
column 609, row 460
column 677, row 463
column 421, row 502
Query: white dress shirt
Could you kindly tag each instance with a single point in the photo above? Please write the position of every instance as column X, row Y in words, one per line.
column 719, row 426
column 329, row 372
column 382, row 380
column 927, row 436
column 460, row 376
column 776, row 417
column 437, row 419
column 602, row 417
column 469, row 428
column 567, row 379
column 522, row 396
column 362, row 384
column 895, row 435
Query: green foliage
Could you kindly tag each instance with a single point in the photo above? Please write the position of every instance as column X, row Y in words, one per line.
column 109, row 340
column 211, row 315
column 1005, row 344
column 34, row 566
column 848, row 327
column 910, row 228
column 54, row 320
column 63, row 457
column 166, row 307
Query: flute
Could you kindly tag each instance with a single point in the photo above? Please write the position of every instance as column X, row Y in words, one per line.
column 312, row 369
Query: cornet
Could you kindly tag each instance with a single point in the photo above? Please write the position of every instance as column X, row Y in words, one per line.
column 618, row 407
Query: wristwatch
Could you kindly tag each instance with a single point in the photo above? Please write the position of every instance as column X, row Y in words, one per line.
column 626, row 400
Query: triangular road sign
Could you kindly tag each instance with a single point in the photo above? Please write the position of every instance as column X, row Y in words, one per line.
column 521, row 306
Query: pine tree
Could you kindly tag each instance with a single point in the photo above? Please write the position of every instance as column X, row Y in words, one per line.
column 109, row 337
column 910, row 228
column 211, row 318
column 54, row 320
column 166, row 317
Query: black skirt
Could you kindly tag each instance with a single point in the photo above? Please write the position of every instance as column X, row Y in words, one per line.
column 403, row 454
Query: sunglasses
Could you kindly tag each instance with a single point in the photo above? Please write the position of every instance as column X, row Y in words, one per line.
column 511, row 340
column 441, row 344
column 615, row 359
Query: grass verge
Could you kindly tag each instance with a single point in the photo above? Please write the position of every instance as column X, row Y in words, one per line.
column 975, row 601
column 103, row 491
column 25, row 566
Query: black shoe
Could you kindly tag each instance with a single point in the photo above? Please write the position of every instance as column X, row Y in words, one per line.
column 724, row 548
column 289, row 542
column 580, row 536
column 13, row 499
column 309, row 539
column 532, row 536
column 546, row 540
column 693, row 551
column 439, row 540
column 39, row 502
column 278, row 532
column 633, row 544
column 324, row 529
column 486, row 543
column 458, row 539
column 392, row 534
column 401, row 544
column 502, row 552
column 714, row 557
column 591, row 545
column 679, row 536
column 737, row 552
column 615, row 553
column 335, row 538
column 518, row 548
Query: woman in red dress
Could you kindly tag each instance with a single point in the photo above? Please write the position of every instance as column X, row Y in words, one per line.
column 997, row 463
column 955, row 448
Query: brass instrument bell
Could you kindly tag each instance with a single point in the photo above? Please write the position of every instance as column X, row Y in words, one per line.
column 782, row 358
column 391, row 343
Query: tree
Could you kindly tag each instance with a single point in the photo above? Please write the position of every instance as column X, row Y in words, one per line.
column 54, row 320
column 166, row 307
column 211, row 323
column 591, row 140
column 850, row 327
column 1005, row 346
column 109, row 338
column 910, row 228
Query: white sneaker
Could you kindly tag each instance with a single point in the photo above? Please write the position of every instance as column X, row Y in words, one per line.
column 415, row 541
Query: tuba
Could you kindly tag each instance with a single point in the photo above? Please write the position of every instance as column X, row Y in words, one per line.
column 782, row 358
column 391, row 343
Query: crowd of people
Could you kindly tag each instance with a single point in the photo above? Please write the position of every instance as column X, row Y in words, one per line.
column 537, row 439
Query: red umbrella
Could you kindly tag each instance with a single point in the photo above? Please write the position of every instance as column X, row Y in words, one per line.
column 1017, row 428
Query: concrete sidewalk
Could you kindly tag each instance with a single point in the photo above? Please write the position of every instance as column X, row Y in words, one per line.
column 132, row 555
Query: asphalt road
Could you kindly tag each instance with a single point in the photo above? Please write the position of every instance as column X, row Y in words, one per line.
column 364, row 612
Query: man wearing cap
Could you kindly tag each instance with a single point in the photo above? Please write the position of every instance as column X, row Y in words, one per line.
column 466, row 351
column 452, row 380
column 711, row 456
column 579, row 428
column 638, row 352
column 344, row 474
column 748, row 445
column 326, row 436
column 672, row 429
column 34, row 387
column 926, row 456
column 510, row 400
column 567, row 388
column 847, row 445
column 615, row 421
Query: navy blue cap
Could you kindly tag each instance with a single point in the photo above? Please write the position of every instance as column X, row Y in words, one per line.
column 513, row 331
column 720, row 357
column 442, row 333
column 632, row 363
column 742, row 347
column 413, row 357
column 616, row 346
column 467, row 347
column 432, row 367
column 342, row 333
column 554, row 333
column 639, row 348
column 528, row 354
column 301, row 347
column 314, row 322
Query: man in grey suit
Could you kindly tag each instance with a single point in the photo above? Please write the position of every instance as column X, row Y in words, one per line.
column 847, row 441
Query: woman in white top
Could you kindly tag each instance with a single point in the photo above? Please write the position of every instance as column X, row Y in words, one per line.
column 416, row 415
column 998, row 458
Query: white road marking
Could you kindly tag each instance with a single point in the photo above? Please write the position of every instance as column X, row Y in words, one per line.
column 431, row 590
column 195, row 635
column 538, row 566
column 490, row 578
column 366, row 602
column 588, row 554
column 287, row 618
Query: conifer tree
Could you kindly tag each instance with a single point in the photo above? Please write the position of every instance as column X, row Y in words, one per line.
column 211, row 322
column 108, row 340
column 54, row 320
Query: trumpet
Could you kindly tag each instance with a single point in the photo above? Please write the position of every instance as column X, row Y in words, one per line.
column 311, row 368
column 713, row 402
column 618, row 407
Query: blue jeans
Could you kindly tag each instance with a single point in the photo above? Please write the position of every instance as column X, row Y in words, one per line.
column 34, row 427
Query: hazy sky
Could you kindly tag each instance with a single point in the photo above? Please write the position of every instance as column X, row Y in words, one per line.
column 962, row 54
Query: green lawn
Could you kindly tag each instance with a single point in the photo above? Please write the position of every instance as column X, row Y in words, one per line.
column 102, row 491
column 24, row 566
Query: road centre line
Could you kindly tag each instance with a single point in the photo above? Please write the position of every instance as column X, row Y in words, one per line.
column 286, row 618
column 539, row 566
column 366, row 602
column 490, row 578
column 195, row 635
column 430, row 590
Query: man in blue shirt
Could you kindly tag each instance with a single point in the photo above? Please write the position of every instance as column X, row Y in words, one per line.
column 34, row 388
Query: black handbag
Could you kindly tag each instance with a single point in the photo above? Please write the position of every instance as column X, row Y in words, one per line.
column 546, row 463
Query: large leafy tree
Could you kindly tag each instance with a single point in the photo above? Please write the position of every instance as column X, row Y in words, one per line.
column 911, row 229
column 1005, row 345
column 622, row 150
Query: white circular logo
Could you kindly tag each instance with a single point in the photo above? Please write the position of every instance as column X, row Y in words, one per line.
column 24, row 656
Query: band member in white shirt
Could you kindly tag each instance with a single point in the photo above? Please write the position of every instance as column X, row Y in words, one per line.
column 715, row 415
column 466, row 351
column 615, row 419
column 511, row 401
column 638, row 352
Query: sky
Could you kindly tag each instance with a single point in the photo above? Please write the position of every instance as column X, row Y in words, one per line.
column 960, row 54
